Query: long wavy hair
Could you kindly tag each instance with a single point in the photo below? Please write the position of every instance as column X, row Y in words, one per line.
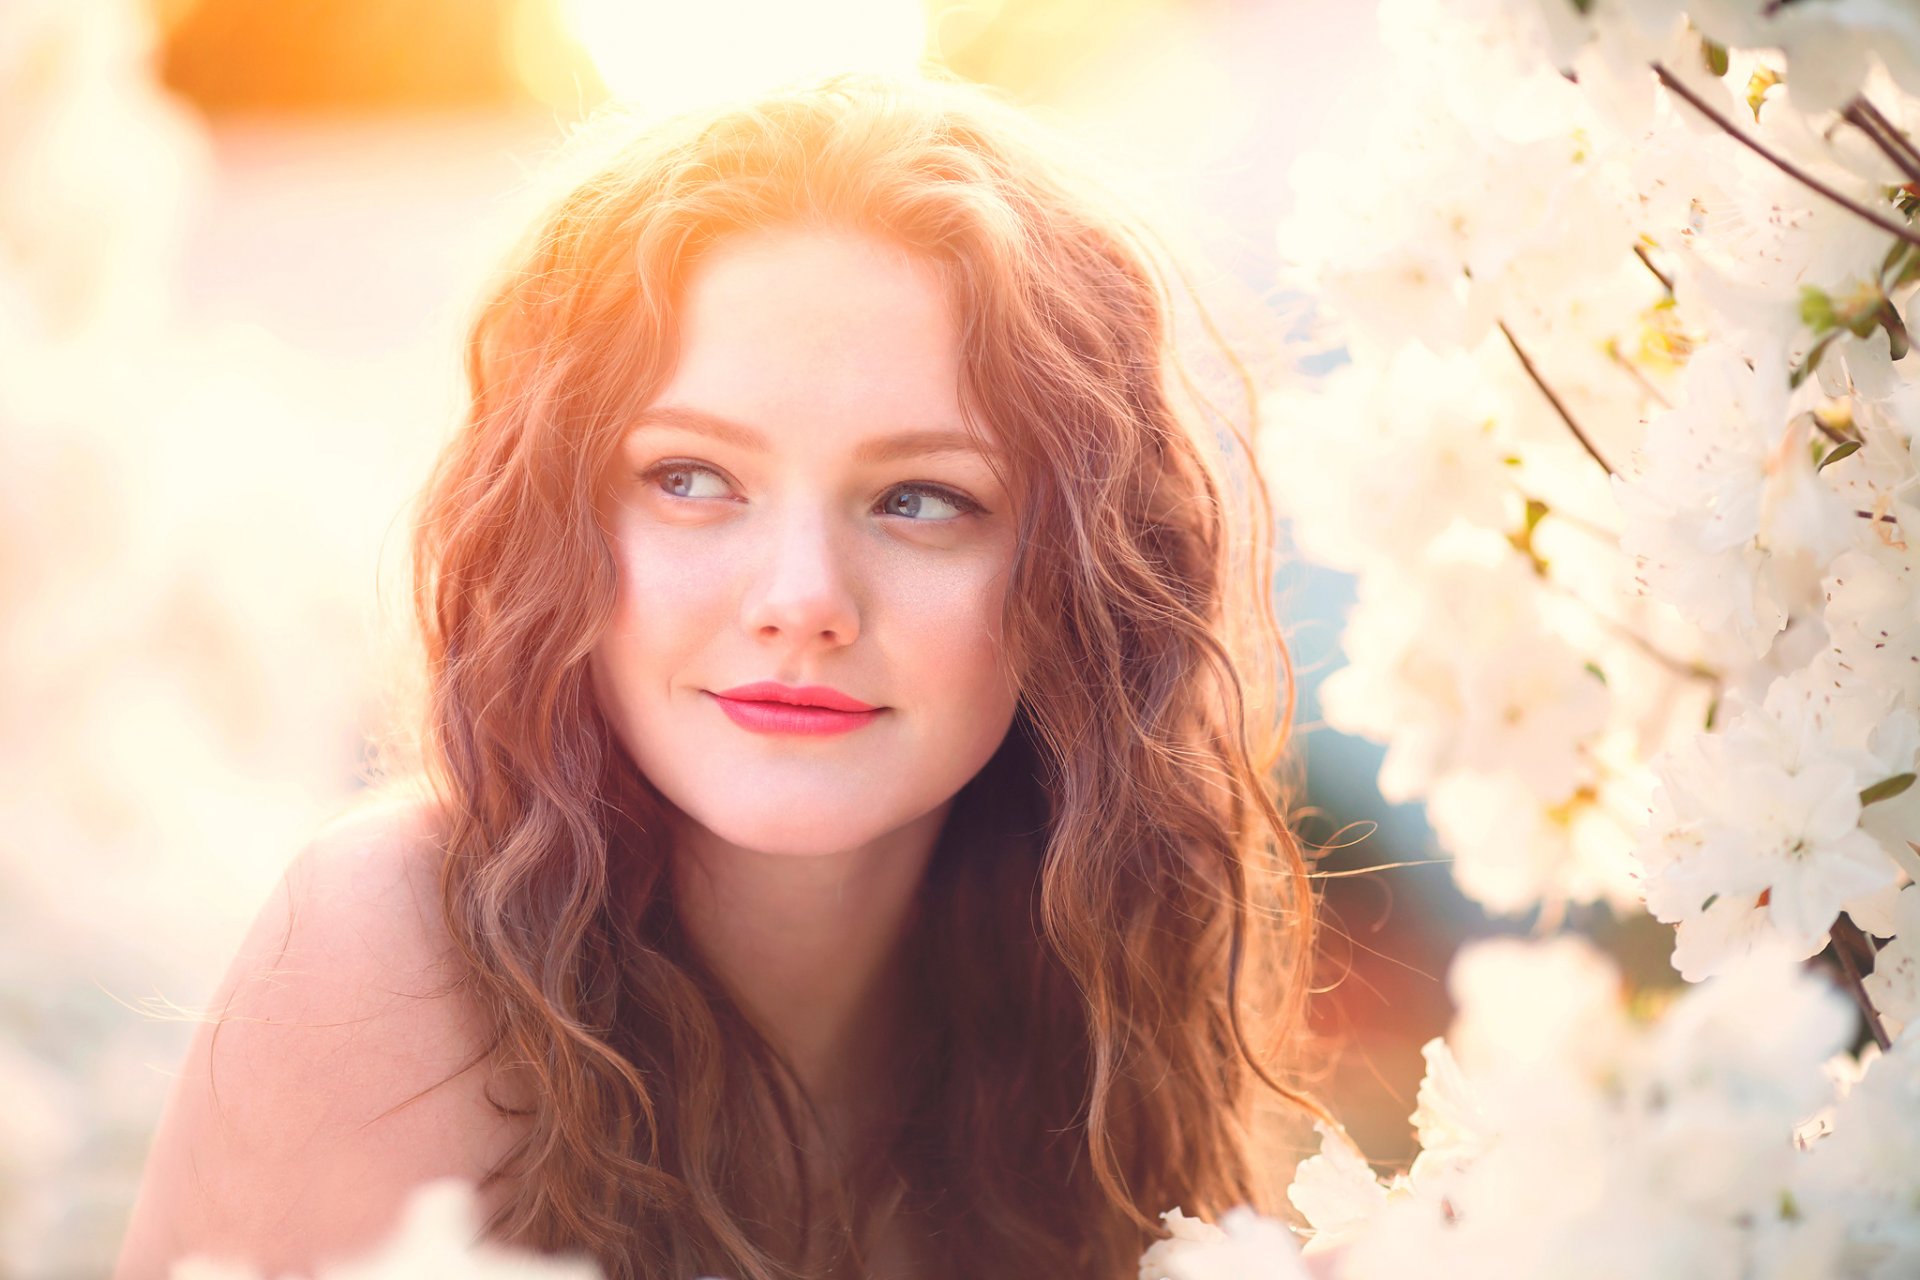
column 1111, row 944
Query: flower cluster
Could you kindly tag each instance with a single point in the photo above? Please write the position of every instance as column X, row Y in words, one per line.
column 1567, row 1132
column 1624, row 457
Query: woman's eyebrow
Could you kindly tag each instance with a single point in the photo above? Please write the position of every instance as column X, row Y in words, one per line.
column 889, row 448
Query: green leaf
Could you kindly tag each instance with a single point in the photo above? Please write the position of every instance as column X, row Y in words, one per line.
column 1886, row 788
column 1908, row 273
column 1812, row 361
column 1716, row 56
column 1898, row 341
column 1713, row 712
column 1816, row 309
column 1598, row 674
column 1846, row 450
column 1899, row 250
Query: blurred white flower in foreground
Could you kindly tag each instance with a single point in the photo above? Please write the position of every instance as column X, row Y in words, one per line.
column 1858, row 1192
column 1245, row 1246
column 437, row 1238
column 1565, row 1135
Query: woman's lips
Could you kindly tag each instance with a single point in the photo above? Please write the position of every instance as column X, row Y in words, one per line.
column 782, row 717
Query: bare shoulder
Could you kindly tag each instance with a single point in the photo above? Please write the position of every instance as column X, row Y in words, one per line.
column 342, row 1062
column 366, row 888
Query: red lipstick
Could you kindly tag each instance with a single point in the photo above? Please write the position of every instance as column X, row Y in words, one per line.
column 770, row 707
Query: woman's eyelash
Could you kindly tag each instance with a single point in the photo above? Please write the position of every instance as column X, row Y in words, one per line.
column 966, row 506
column 653, row 474
column 960, row 501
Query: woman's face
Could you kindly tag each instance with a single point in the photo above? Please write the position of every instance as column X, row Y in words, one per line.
column 801, row 506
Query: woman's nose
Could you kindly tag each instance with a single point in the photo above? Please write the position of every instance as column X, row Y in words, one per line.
column 802, row 594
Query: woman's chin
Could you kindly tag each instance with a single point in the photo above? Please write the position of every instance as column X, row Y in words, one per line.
column 779, row 835
column 815, row 827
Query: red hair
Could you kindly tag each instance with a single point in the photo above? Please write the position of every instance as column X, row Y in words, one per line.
column 1113, row 935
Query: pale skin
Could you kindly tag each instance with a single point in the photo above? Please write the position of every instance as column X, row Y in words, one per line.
column 822, row 518
column 827, row 521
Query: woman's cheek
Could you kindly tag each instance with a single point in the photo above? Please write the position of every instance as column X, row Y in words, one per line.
column 955, row 608
column 672, row 576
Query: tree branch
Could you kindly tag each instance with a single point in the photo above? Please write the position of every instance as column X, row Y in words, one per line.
column 1640, row 252
column 1558, row 407
column 1781, row 163
column 1838, row 437
column 1679, row 666
column 1640, row 379
column 1866, row 117
column 1847, row 939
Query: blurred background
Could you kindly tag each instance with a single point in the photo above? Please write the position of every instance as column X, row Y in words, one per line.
column 238, row 245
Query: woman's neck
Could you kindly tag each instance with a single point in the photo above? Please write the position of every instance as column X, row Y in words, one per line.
column 810, row 946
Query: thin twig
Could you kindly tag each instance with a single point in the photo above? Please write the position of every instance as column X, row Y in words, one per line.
column 1893, row 135
column 1666, row 281
column 1846, row 936
column 1679, row 666
column 1633, row 371
column 1785, row 166
column 1553, row 399
column 1602, row 534
column 1830, row 433
column 1888, row 144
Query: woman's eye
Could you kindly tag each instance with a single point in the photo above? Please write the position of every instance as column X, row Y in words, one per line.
column 922, row 503
column 686, row 480
column 927, row 502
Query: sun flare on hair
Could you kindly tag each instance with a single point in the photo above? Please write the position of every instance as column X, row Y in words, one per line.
column 660, row 55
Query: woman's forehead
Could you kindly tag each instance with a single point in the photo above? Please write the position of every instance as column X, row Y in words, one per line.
column 816, row 328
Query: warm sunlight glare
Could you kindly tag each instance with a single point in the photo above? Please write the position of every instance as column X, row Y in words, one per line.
column 668, row 54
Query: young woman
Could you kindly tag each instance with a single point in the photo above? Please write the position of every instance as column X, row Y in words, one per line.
column 851, row 848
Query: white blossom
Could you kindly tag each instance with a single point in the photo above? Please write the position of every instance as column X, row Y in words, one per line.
column 1354, row 463
column 1832, row 48
column 1596, row 1145
column 1449, row 1118
column 1705, row 741
column 1755, row 832
column 1513, row 851
column 1894, row 984
column 438, row 1235
column 1454, row 667
column 1725, row 516
column 1245, row 1246
column 1336, row 1191
column 1873, row 619
column 1865, row 1174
